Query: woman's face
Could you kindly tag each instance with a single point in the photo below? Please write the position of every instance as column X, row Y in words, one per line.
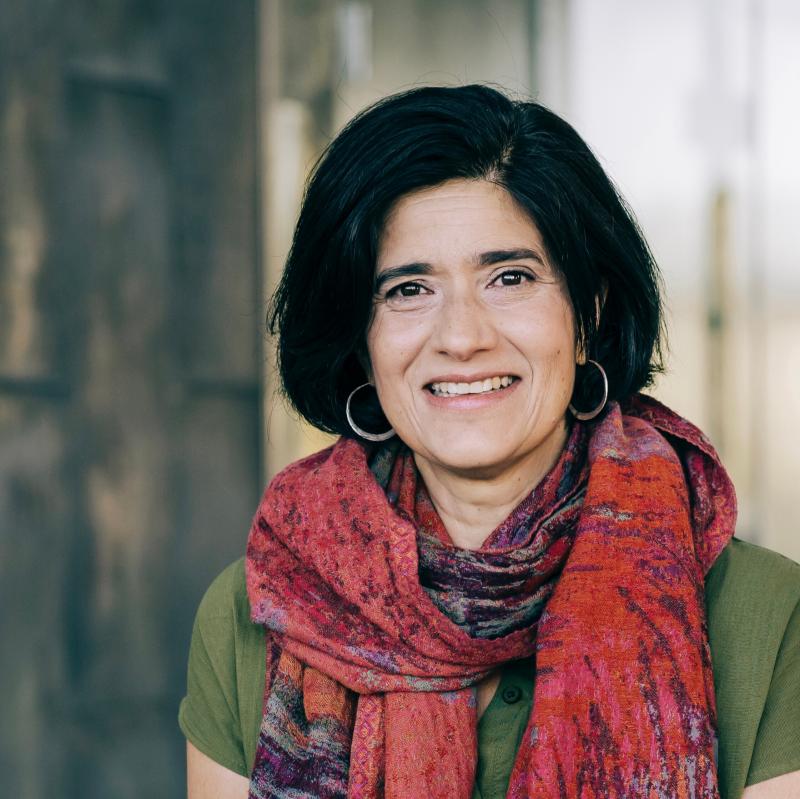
column 472, row 343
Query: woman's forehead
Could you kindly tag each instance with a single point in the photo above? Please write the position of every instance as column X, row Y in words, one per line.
column 469, row 215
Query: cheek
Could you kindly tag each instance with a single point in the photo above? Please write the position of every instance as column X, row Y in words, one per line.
column 564, row 356
column 391, row 352
column 379, row 349
column 558, row 374
column 547, row 335
column 548, row 344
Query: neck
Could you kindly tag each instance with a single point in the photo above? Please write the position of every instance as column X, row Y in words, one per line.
column 472, row 503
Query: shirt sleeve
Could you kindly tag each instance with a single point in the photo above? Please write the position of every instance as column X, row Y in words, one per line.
column 777, row 747
column 209, row 713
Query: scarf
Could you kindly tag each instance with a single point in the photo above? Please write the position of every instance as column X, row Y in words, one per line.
column 379, row 628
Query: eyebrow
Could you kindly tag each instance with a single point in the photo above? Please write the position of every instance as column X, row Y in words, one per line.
column 484, row 259
column 498, row 256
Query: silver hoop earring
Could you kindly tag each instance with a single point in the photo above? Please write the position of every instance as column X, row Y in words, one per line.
column 356, row 429
column 585, row 416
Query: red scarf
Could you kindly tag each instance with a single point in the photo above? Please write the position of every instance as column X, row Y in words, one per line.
column 371, row 671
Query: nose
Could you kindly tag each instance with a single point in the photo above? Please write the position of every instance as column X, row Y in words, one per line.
column 464, row 327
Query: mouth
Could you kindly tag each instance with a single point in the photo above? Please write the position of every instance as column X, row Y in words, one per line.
column 487, row 385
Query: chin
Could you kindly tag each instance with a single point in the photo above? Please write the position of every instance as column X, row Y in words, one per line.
column 472, row 456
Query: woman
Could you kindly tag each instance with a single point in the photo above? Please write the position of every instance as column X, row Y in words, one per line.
column 512, row 573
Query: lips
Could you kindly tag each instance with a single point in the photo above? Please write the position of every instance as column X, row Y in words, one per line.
column 456, row 385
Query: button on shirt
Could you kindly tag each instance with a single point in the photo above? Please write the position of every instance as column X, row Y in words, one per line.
column 511, row 694
column 504, row 719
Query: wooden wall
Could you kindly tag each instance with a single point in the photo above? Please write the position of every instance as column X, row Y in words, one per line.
column 130, row 354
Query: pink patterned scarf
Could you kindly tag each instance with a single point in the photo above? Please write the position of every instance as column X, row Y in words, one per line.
column 380, row 628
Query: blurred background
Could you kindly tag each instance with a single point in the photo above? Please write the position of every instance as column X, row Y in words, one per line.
column 152, row 159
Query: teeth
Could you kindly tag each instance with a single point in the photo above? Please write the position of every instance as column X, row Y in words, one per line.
column 476, row 387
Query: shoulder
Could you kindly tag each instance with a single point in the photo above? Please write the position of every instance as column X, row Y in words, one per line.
column 223, row 620
column 226, row 597
column 741, row 553
column 231, row 644
column 751, row 594
column 223, row 630
column 749, row 575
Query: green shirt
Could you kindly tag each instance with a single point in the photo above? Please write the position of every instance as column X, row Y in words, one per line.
column 753, row 603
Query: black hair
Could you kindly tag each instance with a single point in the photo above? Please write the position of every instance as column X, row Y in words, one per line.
column 422, row 138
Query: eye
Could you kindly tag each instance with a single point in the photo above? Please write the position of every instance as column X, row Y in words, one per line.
column 405, row 290
column 513, row 277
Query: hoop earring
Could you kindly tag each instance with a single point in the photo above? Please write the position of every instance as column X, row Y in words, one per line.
column 585, row 416
column 356, row 429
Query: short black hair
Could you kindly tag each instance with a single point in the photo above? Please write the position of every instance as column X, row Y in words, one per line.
column 421, row 138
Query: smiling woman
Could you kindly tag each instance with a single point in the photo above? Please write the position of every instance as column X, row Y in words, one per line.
column 474, row 359
column 513, row 574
